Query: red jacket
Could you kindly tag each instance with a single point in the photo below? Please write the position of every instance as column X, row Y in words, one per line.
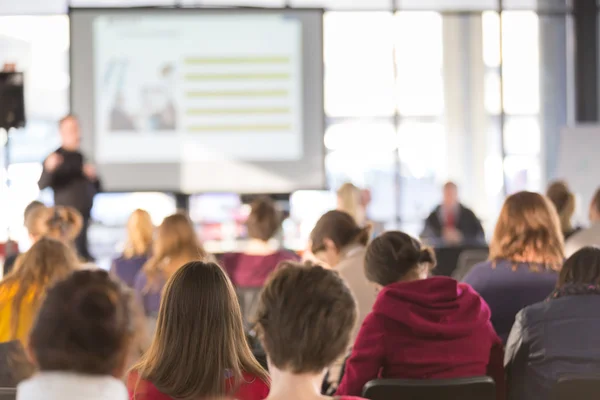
column 434, row 328
column 252, row 389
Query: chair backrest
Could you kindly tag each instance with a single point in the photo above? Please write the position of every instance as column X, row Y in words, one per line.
column 248, row 298
column 8, row 393
column 476, row 388
column 577, row 388
column 467, row 260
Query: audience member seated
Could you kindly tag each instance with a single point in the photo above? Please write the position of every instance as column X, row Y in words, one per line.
column 15, row 366
column 305, row 319
column 199, row 350
column 338, row 241
column 176, row 243
column 558, row 337
column 80, row 340
column 420, row 327
column 352, row 200
column 9, row 262
column 22, row 291
column 251, row 268
column 526, row 253
column 589, row 236
column 451, row 223
column 137, row 248
column 559, row 194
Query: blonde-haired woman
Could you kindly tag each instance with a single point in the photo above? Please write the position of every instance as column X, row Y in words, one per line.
column 526, row 254
column 137, row 248
column 22, row 291
column 350, row 199
column 60, row 223
column 176, row 244
column 559, row 194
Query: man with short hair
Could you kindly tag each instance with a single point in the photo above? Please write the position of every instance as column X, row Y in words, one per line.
column 589, row 236
column 75, row 182
column 451, row 222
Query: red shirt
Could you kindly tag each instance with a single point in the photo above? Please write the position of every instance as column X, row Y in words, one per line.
column 253, row 388
column 251, row 271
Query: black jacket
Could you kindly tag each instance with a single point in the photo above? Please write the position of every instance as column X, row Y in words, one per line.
column 552, row 339
column 71, row 186
column 467, row 224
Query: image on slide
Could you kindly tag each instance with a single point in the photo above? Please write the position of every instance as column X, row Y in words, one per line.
column 139, row 103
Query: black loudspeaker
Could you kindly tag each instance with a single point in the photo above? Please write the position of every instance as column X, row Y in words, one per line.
column 12, row 100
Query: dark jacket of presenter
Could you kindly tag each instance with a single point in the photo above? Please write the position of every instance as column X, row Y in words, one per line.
column 74, row 182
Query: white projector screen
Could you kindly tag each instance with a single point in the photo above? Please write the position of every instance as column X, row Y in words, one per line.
column 200, row 100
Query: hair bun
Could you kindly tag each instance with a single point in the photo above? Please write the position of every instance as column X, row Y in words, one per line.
column 427, row 255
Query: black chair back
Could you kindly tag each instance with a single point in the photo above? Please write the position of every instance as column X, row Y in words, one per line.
column 8, row 393
column 248, row 298
column 577, row 388
column 477, row 388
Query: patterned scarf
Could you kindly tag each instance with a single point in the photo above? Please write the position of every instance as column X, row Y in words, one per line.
column 574, row 289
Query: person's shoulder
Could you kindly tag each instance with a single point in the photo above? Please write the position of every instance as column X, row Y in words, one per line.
column 434, row 213
column 287, row 255
column 252, row 388
column 467, row 211
column 141, row 280
column 141, row 389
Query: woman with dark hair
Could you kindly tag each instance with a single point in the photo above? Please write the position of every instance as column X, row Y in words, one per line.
column 420, row 327
column 561, row 197
column 199, row 350
column 80, row 341
column 339, row 242
column 526, row 253
column 250, row 268
column 557, row 337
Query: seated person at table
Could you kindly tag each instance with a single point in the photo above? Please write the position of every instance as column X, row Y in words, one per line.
column 589, row 236
column 526, row 253
column 451, row 223
column 251, row 268
column 558, row 337
column 420, row 327
column 199, row 350
column 81, row 340
column 138, row 247
column 305, row 318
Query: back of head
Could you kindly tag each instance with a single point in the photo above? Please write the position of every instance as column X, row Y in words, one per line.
column 395, row 256
column 84, row 326
column 528, row 230
column 305, row 318
column 264, row 220
column 350, row 200
column 140, row 231
column 176, row 239
column 30, row 207
column 582, row 268
column 595, row 206
column 199, row 336
column 564, row 201
column 60, row 223
column 340, row 228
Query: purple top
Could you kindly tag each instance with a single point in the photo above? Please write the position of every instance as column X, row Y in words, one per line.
column 509, row 287
column 251, row 271
column 149, row 298
column 127, row 268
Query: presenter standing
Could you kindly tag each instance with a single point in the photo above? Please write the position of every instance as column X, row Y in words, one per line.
column 74, row 181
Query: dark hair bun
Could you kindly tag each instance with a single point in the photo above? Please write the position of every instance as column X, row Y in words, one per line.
column 427, row 255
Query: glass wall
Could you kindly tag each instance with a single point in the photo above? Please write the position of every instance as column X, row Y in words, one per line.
column 416, row 92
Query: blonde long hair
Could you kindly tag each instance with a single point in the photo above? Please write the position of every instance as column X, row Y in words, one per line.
column 60, row 223
column 350, row 201
column 528, row 230
column 176, row 240
column 139, row 234
column 199, row 338
column 47, row 261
